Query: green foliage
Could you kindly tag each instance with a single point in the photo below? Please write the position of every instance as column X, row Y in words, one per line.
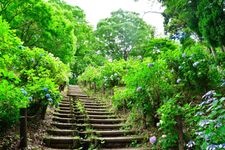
column 171, row 112
column 122, row 33
column 210, row 117
column 45, row 24
column 11, row 99
column 110, row 74
column 167, row 113
column 147, row 85
column 204, row 18
column 156, row 47
column 193, row 69
column 29, row 77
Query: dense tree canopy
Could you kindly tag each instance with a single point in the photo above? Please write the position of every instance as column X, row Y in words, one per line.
column 204, row 18
column 45, row 24
column 122, row 33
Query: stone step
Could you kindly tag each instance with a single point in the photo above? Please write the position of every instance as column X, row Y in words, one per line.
column 65, row 108
column 65, row 101
column 98, row 113
column 97, row 110
column 71, row 93
column 63, row 115
column 101, row 116
column 107, row 126
column 64, row 111
column 60, row 132
column 62, row 142
column 70, row 126
column 118, row 142
column 94, row 104
column 64, row 120
column 64, row 104
column 87, row 98
column 113, row 133
column 95, row 107
column 105, row 121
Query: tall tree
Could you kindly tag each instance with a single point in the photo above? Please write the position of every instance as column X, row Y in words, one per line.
column 122, row 33
column 40, row 23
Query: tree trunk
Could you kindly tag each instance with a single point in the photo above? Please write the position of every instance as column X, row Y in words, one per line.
column 223, row 48
column 125, row 55
column 111, row 91
column 179, row 128
column 94, row 86
column 43, row 111
column 144, row 119
column 103, row 90
column 89, row 85
column 23, row 128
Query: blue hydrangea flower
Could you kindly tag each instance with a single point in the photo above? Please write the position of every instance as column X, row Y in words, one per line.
column 48, row 96
column 150, row 65
column 221, row 145
column 223, row 84
column 199, row 113
column 209, row 94
column 30, row 98
column 23, row 91
column 190, row 144
column 218, row 125
column 200, row 134
column 45, row 89
column 212, row 147
column 203, row 123
column 152, row 139
column 50, row 100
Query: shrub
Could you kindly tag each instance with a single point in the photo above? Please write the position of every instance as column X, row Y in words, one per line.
column 11, row 99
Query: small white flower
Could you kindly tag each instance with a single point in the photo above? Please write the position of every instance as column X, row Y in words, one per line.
column 139, row 89
column 178, row 80
column 158, row 124
column 184, row 55
column 195, row 64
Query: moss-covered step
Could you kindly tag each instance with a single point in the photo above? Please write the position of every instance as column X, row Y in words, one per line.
column 63, row 115
column 95, row 106
column 107, row 126
column 62, row 142
column 118, row 142
column 62, row 132
column 113, row 133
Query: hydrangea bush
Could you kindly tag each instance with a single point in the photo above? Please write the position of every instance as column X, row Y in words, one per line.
column 210, row 129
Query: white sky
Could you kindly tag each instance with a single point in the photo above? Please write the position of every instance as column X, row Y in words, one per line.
column 96, row 10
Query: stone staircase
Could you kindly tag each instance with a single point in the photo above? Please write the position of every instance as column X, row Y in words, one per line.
column 85, row 123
